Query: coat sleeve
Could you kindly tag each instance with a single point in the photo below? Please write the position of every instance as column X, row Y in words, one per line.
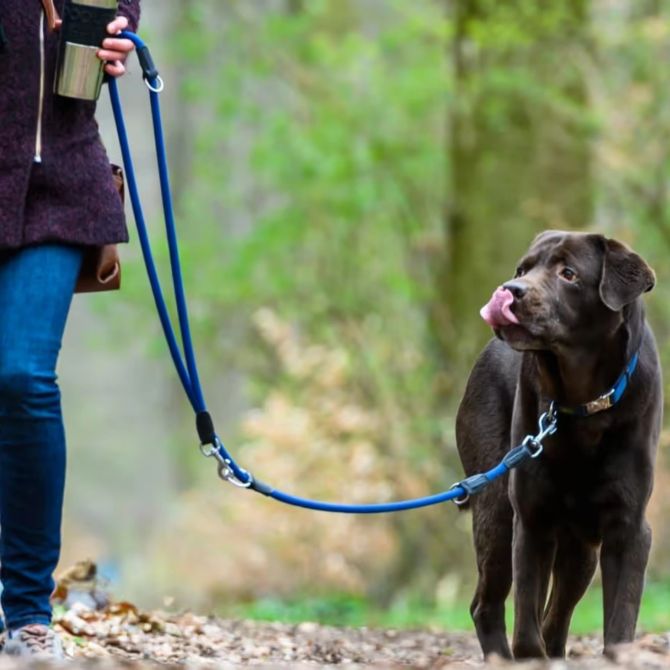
column 131, row 10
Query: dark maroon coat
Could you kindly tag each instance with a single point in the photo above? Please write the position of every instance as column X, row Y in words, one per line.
column 55, row 184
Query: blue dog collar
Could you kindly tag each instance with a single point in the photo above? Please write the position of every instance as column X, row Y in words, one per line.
column 606, row 400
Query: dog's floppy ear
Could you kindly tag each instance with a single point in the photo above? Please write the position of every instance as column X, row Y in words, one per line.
column 625, row 276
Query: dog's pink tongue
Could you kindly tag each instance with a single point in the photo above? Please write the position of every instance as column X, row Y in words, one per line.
column 496, row 312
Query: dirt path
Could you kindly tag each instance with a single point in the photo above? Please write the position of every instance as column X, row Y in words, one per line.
column 123, row 632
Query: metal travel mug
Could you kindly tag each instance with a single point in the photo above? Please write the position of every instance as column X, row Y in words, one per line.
column 80, row 72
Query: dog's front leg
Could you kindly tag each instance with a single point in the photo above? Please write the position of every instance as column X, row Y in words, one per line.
column 533, row 556
column 623, row 560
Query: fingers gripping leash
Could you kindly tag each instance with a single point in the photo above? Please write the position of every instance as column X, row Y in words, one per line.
column 185, row 361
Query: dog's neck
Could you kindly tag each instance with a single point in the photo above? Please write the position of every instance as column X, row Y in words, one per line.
column 582, row 374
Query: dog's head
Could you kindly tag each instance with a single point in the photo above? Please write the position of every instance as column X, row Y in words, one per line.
column 568, row 289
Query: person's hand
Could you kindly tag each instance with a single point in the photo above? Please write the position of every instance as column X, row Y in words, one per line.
column 115, row 50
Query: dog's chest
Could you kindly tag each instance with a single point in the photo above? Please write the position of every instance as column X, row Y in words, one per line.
column 575, row 504
column 577, row 441
column 576, row 465
column 586, row 438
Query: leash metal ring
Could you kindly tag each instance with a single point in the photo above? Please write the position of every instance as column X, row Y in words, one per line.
column 538, row 451
column 459, row 502
column 207, row 449
column 533, row 446
column 463, row 499
column 226, row 473
column 159, row 87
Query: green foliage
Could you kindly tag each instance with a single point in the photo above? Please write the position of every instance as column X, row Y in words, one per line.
column 329, row 136
column 344, row 610
column 633, row 103
column 341, row 148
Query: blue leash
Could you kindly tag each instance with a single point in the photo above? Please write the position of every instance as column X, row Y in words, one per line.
column 211, row 445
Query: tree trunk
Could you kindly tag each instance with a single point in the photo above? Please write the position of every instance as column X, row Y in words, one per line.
column 518, row 148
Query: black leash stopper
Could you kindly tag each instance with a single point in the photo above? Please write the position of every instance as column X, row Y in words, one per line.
column 205, row 427
column 149, row 69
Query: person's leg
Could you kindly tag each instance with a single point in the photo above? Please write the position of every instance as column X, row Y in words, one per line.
column 36, row 287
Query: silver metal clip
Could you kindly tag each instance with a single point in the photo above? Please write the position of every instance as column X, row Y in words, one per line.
column 546, row 426
column 226, row 473
column 530, row 447
column 224, row 469
column 534, row 445
column 207, row 450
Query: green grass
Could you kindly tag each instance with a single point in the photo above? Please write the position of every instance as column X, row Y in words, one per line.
column 654, row 613
column 344, row 610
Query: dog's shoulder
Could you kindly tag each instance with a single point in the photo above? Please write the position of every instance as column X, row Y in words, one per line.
column 647, row 382
column 499, row 360
column 494, row 376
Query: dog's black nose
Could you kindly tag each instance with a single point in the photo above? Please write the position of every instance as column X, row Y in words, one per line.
column 516, row 288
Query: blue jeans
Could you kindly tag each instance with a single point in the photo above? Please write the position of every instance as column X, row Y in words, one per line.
column 36, row 287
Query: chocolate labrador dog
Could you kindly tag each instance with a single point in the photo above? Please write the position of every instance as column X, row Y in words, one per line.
column 571, row 331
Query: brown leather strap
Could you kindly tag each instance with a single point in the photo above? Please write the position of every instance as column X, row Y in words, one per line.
column 53, row 19
column 101, row 268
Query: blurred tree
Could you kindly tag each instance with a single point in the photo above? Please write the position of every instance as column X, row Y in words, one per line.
column 630, row 93
column 519, row 146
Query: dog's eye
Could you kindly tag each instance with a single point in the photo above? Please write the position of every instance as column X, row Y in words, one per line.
column 568, row 274
column 519, row 272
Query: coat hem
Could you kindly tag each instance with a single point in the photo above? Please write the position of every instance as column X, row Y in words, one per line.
column 47, row 239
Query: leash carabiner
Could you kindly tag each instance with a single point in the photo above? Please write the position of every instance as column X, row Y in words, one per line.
column 547, row 424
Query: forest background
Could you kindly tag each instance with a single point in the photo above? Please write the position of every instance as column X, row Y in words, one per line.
column 352, row 178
